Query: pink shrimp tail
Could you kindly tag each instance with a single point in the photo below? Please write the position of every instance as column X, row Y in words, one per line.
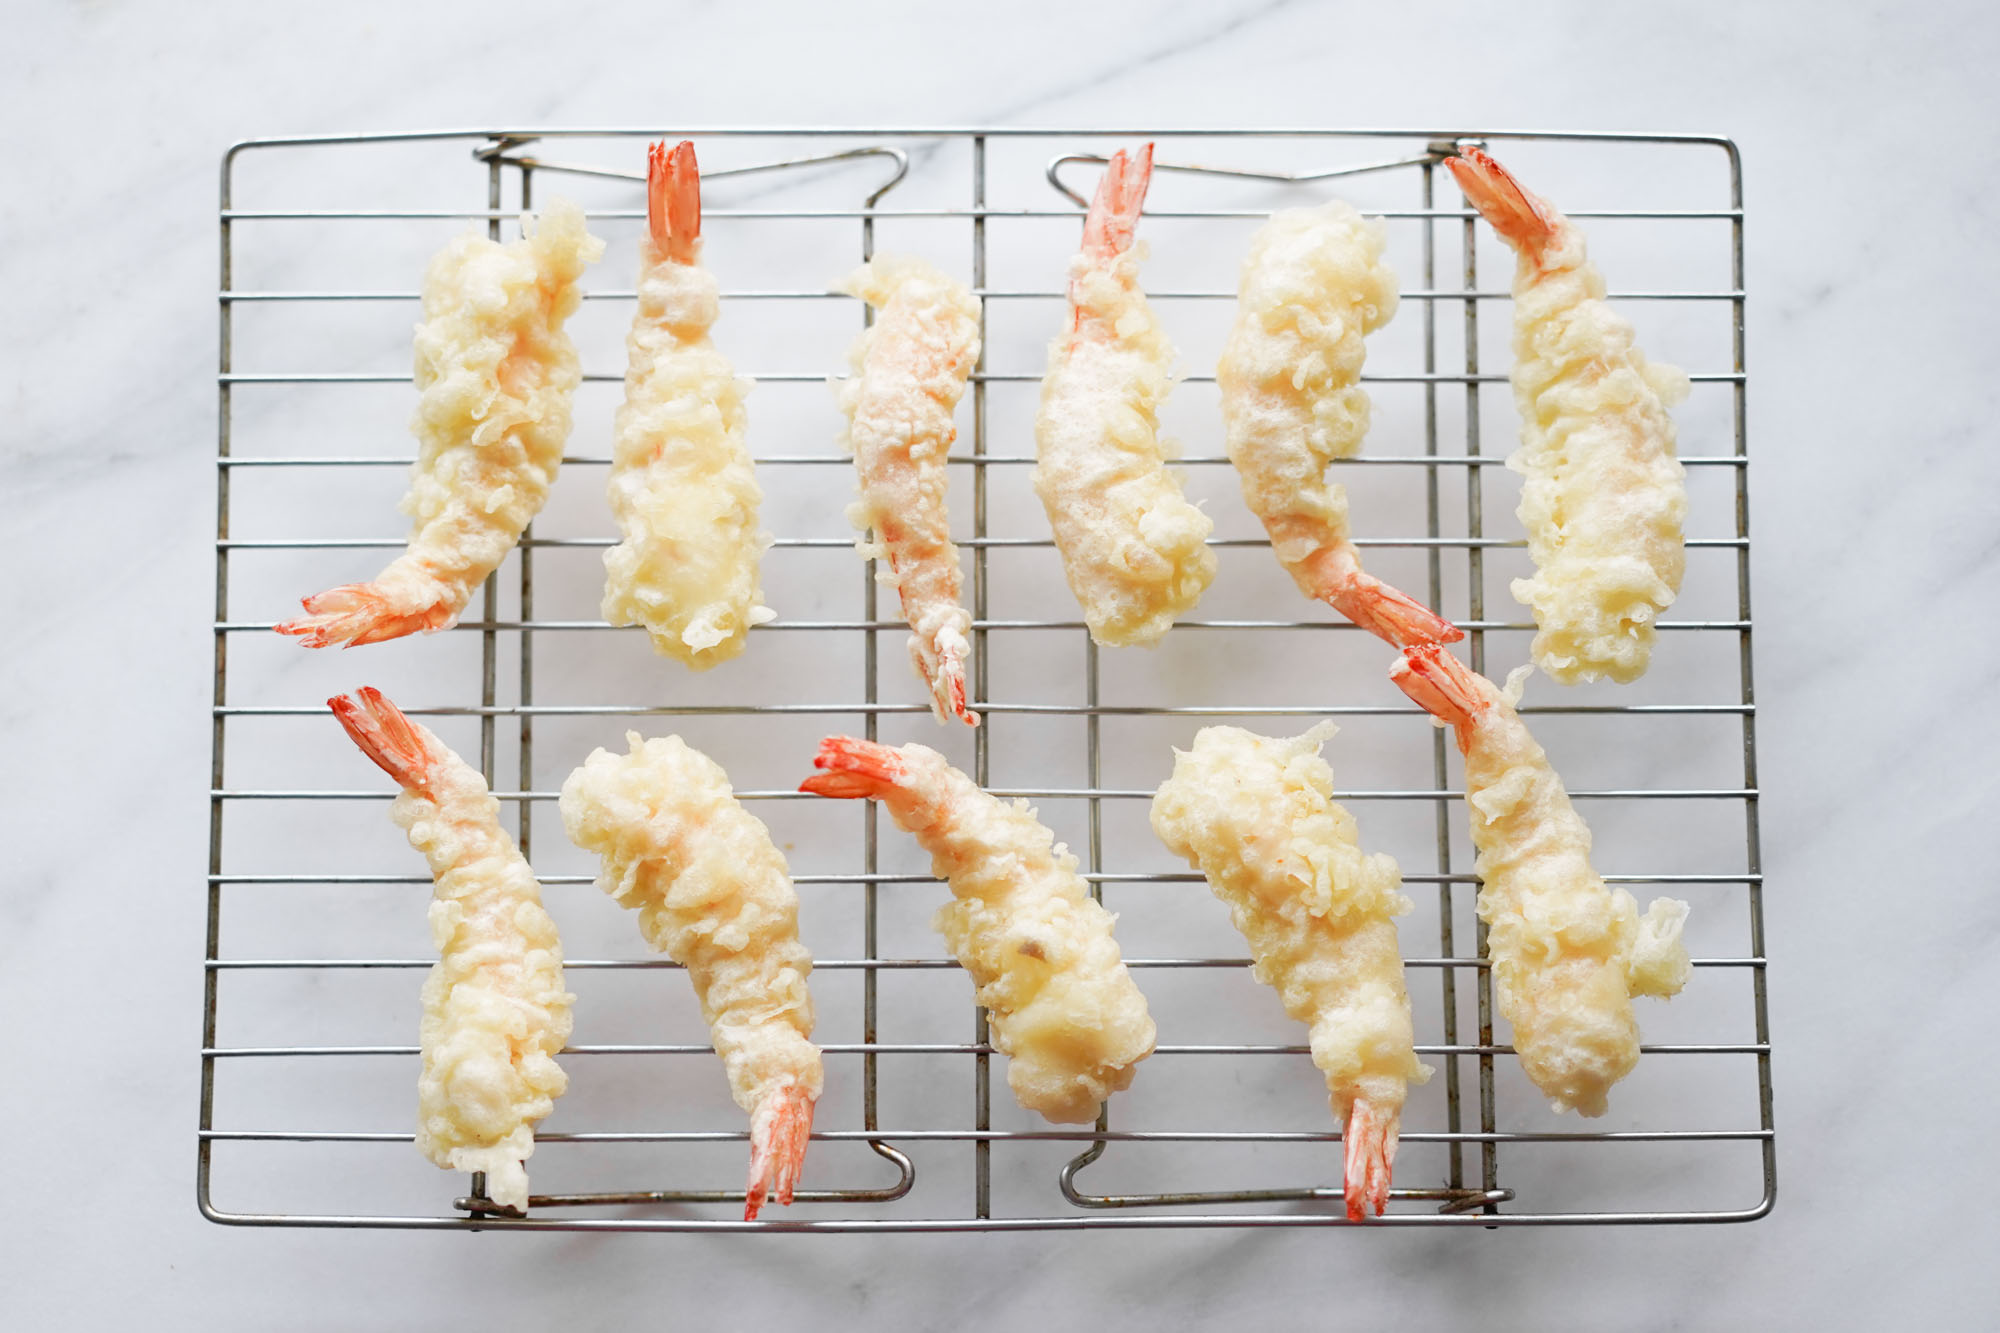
column 854, row 768
column 1523, row 220
column 1114, row 210
column 358, row 613
column 1335, row 577
column 673, row 200
column 780, row 1129
column 386, row 736
column 1370, row 1141
column 1442, row 686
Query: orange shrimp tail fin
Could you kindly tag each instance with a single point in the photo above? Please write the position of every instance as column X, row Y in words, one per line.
column 1442, row 686
column 386, row 736
column 1370, row 1141
column 854, row 768
column 1114, row 210
column 780, row 1129
column 358, row 613
column 1523, row 220
column 673, row 200
column 948, row 686
column 1388, row 614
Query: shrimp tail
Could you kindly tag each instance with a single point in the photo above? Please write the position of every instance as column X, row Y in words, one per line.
column 673, row 200
column 780, row 1128
column 387, row 737
column 1114, row 210
column 1442, row 686
column 358, row 613
column 942, row 663
column 854, row 768
column 1336, row 578
column 1523, row 220
column 1370, row 1142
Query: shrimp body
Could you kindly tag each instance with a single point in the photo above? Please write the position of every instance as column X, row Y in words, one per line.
column 681, row 483
column 1134, row 550
column 1567, row 953
column 495, row 1011
column 1313, row 284
column 497, row 373
column 1605, row 497
column 714, row 894
column 1256, row 816
column 910, row 370
column 1060, row 1002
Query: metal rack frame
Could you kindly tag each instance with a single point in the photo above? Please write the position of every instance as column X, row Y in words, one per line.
column 1474, row 1194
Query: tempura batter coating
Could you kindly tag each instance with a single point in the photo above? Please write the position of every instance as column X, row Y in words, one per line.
column 495, row 1011
column 681, row 485
column 497, row 374
column 1567, row 953
column 1134, row 550
column 1313, row 284
column 714, row 894
column 1059, row 1000
column 1605, row 497
column 1256, row 816
column 910, row 370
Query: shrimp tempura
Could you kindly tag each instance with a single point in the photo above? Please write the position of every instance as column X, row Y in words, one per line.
column 681, row 483
column 495, row 1011
column 497, row 373
column 910, row 370
column 1256, row 816
column 1567, row 953
column 1134, row 550
column 1605, row 497
column 1060, row 1001
column 713, row 894
column 1313, row 283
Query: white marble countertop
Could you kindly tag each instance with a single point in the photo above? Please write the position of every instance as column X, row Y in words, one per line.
column 1867, row 146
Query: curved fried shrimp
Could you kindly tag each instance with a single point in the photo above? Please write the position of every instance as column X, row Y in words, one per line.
column 713, row 893
column 495, row 1011
column 1313, row 284
column 681, row 486
column 1060, row 1002
column 497, row 373
column 1257, row 817
column 1605, row 497
column 1134, row 550
column 910, row 370
column 1567, row 953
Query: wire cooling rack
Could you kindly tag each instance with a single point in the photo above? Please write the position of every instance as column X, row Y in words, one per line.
column 316, row 937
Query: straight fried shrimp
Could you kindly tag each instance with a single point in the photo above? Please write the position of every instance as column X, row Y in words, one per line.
column 497, row 373
column 495, row 1011
column 1060, row 1002
column 1134, row 550
column 1605, row 497
column 1567, row 953
column 713, row 893
column 1256, row 816
column 1313, row 284
column 910, row 370
column 682, row 487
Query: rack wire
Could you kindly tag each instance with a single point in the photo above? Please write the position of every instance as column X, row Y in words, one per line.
column 304, row 1100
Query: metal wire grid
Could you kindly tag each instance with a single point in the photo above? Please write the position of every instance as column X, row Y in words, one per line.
column 1472, row 1194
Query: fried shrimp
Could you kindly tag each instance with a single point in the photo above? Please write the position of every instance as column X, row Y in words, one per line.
column 1061, row 1004
column 497, row 373
column 681, row 486
column 1134, row 550
column 1313, row 284
column 910, row 370
column 1605, row 497
column 1567, row 953
column 713, row 893
column 495, row 1011
column 1256, row 816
